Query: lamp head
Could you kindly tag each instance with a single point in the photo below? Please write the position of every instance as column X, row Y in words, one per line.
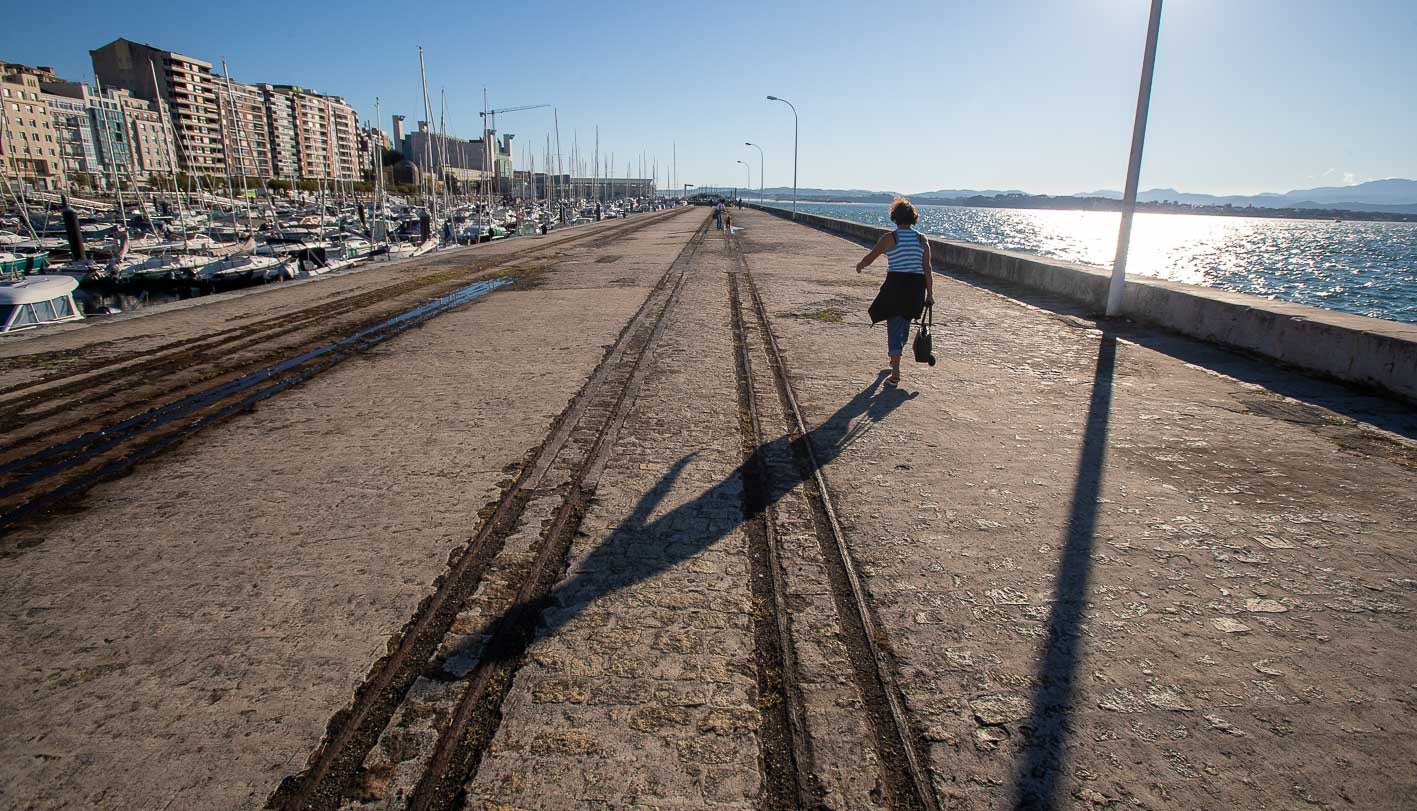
column 773, row 98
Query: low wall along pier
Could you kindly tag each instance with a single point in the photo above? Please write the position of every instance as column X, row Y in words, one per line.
column 1353, row 348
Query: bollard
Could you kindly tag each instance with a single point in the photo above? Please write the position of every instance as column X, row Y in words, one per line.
column 71, row 229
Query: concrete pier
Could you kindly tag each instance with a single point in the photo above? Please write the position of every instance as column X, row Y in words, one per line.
column 1107, row 565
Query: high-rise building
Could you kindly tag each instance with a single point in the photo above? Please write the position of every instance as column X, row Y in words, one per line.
column 280, row 125
column 73, row 131
column 29, row 150
column 118, row 134
column 324, row 131
column 245, row 129
column 185, row 85
column 154, row 153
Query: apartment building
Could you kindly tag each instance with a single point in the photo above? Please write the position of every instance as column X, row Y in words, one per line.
column 106, row 133
column 280, row 128
column 73, row 132
column 29, row 148
column 319, row 133
column 153, row 150
column 245, row 129
column 184, row 85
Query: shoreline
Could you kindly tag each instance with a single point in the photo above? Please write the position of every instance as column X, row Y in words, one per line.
column 1106, row 205
column 1391, row 310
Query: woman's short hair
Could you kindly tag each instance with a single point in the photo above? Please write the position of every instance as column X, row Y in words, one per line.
column 903, row 213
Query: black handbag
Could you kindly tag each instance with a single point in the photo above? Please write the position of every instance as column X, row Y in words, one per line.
column 924, row 345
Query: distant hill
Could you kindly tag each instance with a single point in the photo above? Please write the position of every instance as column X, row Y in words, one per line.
column 785, row 192
column 952, row 194
column 1395, row 195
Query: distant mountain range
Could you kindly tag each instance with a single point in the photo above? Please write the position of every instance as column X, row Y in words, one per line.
column 1395, row 195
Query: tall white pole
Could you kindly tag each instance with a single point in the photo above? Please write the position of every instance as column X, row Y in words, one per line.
column 1117, row 285
column 794, row 149
column 761, row 163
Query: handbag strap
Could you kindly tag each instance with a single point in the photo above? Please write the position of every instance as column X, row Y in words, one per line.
column 927, row 316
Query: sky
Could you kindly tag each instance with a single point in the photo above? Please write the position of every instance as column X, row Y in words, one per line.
column 1038, row 95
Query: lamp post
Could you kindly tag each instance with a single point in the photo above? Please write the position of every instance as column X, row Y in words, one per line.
column 749, row 187
column 760, row 167
column 794, row 149
column 687, row 186
column 1129, row 198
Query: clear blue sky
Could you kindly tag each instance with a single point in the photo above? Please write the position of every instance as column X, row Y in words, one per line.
column 1250, row 95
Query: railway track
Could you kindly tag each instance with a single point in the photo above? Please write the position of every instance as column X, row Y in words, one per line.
column 441, row 686
column 416, row 731
column 67, row 431
column 793, row 524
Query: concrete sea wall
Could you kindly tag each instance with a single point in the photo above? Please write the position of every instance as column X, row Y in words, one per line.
column 1367, row 351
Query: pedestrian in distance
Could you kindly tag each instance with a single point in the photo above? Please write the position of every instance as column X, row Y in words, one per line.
column 718, row 215
column 909, row 286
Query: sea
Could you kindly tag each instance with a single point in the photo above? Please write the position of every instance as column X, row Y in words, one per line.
column 1363, row 267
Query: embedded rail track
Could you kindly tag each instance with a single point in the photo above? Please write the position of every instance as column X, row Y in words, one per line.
column 771, row 453
column 66, row 431
column 497, row 582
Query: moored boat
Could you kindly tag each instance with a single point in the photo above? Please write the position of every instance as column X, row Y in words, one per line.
column 37, row 300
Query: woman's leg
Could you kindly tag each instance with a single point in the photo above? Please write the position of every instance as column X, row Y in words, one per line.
column 897, row 330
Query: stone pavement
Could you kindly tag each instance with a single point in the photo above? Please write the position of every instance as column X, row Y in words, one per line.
column 1112, row 573
column 1114, row 568
column 183, row 638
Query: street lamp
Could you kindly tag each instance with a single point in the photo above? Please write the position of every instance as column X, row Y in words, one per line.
column 1117, row 284
column 760, row 167
column 794, row 150
column 688, row 186
column 750, row 175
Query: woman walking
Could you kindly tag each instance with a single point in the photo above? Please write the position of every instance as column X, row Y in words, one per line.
column 909, row 286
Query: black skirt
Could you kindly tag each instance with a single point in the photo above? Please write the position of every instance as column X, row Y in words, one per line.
column 902, row 295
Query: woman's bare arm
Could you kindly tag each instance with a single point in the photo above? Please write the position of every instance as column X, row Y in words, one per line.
column 885, row 243
column 929, row 274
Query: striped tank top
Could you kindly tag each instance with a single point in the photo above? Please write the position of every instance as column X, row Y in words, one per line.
column 908, row 255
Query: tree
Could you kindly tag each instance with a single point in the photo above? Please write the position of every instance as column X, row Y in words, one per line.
column 278, row 184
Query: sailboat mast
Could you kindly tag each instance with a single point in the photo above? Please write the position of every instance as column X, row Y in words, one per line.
column 112, row 164
column 236, row 115
column 556, row 118
column 170, row 150
column 488, row 158
column 428, row 143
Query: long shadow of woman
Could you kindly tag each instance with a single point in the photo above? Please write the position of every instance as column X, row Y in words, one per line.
column 639, row 548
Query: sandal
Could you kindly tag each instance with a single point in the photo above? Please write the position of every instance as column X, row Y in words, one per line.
column 893, row 380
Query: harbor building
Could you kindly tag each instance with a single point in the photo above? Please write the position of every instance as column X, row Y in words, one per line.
column 184, row 85
column 245, row 129
column 73, row 132
column 398, row 132
column 316, row 133
column 280, row 127
column 151, row 143
column 29, row 150
column 106, row 133
column 459, row 158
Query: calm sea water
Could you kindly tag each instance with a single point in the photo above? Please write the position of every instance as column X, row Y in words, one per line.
column 1368, row 268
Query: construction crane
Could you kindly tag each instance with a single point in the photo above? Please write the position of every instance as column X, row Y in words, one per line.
column 493, row 113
